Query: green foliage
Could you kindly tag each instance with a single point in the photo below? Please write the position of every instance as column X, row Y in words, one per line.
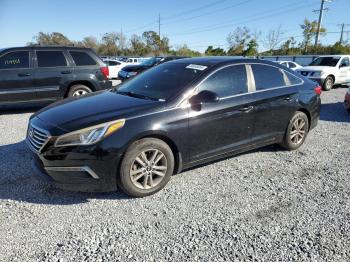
column 214, row 51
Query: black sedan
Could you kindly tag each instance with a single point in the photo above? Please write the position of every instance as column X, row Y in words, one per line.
column 130, row 71
column 170, row 118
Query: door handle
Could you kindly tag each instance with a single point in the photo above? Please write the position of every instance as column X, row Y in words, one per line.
column 24, row 74
column 66, row 72
column 246, row 109
column 288, row 98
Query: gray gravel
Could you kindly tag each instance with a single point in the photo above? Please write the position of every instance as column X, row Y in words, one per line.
column 266, row 205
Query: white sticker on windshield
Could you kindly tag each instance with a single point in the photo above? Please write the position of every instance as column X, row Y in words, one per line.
column 197, row 67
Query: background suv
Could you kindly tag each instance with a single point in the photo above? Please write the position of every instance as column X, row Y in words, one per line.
column 44, row 74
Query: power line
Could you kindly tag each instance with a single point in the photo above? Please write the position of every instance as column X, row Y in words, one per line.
column 343, row 25
column 154, row 22
column 274, row 13
column 208, row 13
column 320, row 19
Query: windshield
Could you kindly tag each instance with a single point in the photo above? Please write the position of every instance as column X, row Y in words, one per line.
column 149, row 61
column 325, row 61
column 161, row 82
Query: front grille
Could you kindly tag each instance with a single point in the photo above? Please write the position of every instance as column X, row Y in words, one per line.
column 36, row 138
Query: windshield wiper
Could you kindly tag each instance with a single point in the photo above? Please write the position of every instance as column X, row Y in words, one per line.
column 132, row 94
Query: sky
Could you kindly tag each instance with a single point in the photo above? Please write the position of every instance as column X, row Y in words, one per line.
column 197, row 23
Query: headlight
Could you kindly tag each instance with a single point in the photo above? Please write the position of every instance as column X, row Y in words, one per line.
column 89, row 135
column 130, row 74
column 317, row 74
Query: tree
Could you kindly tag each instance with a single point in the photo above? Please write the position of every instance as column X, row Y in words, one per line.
column 184, row 50
column 54, row 38
column 309, row 32
column 90, row 42
column 156, row 45
column 137, row 46
column 215, row 51
column 238, row 40
column 252, row 48
column 109, row 44
column 273, row 38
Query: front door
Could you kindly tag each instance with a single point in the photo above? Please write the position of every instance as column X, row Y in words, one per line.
column 219, row 127
column 344, row 71
column 16, row 77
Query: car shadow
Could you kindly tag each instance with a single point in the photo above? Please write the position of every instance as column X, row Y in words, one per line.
column 334, row 112
column 19, row 183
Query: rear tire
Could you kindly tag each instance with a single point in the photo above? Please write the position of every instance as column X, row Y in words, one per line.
column 146, row 168
column 79, row 90
column 296, row 132
column 328, row 83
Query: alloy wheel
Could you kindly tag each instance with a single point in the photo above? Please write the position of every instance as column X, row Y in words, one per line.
column 329, row 84
column 148, row 169
column 298, row 131
column 80, row 92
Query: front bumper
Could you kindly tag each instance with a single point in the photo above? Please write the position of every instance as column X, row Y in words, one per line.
column 72, row 178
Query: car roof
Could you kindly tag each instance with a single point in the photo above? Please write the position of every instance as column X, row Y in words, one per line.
column 44, row 47
column 216, row 61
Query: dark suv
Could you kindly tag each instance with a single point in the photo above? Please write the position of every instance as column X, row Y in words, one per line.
column 45, row 74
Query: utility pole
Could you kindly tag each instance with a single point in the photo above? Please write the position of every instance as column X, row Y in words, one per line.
column 159, row 25
column 320, row 19
column 342, row 31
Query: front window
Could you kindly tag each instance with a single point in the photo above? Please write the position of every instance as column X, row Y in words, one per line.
column 162, row 82
column 325, row 61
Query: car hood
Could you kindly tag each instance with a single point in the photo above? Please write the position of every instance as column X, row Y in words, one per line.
column 135, row 68
column 315, row 68
column 76, row 113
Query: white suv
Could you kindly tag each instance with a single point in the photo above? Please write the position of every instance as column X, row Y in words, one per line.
column 328, row 70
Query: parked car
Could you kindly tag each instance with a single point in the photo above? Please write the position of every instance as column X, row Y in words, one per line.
column 130, row 71
column 114, row 67
column 45, row 74
column 135, row 60
column 172, row 117
column 347, row 100
column 328, row 70
column 290, row 64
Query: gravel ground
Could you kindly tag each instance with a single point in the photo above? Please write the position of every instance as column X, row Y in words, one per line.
column 266, row 205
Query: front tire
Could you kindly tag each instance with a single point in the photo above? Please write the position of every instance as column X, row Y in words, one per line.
column 296, row 132
column 79, row 90
column 146, row 168
column 328, row 83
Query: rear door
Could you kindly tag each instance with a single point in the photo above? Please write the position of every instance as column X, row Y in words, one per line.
column 53, row 72
column 275, row 101
column 222, row 126
column 16, row 77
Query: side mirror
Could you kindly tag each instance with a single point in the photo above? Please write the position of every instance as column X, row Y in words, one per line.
column 204, row 96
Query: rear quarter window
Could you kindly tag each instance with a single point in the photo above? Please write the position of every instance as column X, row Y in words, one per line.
column 267, row 77
column 82, row 58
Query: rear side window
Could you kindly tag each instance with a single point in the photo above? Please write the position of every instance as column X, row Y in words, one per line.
column 82, row 58
column 13, row 60
column 113, row 63
column 292, row 79
column 51, row 58
column 267, row 77
column 228, row 81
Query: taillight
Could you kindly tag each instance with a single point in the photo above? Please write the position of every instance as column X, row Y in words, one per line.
column 318, row 90
column 105, row 71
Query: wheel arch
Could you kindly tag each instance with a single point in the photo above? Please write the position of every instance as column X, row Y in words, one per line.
column 79, row 82
column 307, row 113
column 178, row 165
